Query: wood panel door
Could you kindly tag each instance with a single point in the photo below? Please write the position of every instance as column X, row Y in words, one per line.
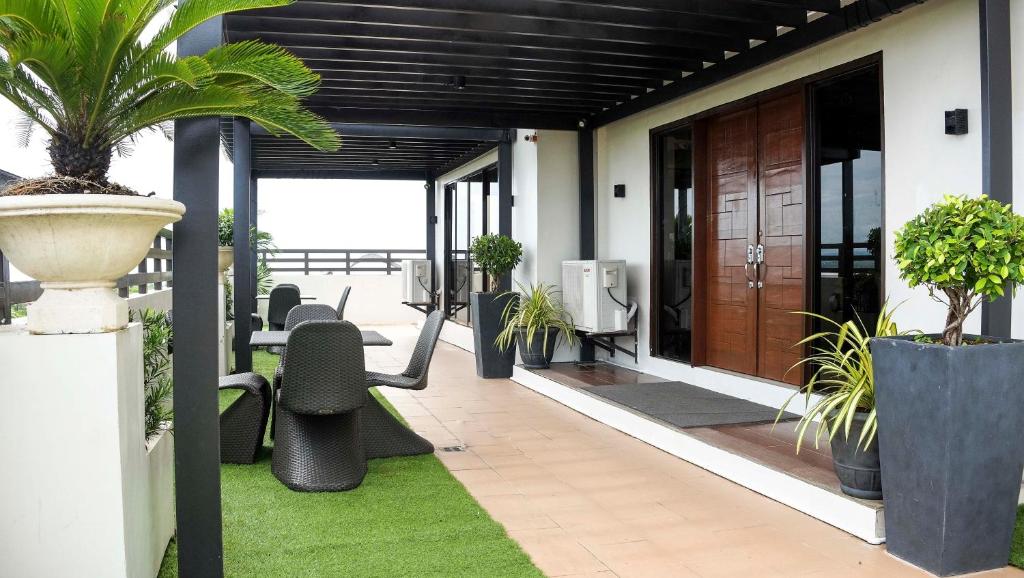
column 731, row 335
column 782, row 234
column 756, row 207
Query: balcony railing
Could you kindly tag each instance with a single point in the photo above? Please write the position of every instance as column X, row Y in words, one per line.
column 339, row 261
column 155, row 269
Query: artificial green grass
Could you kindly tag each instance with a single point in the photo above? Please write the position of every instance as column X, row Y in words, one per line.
column 410, row 517
column 1017, row 546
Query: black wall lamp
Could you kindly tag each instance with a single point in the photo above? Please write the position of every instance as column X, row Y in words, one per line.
column 956, row 121
column 620, row 191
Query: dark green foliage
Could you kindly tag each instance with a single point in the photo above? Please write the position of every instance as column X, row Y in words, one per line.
column 496, row 255
column 964, row 251
column 157, row 335
column 534, row 310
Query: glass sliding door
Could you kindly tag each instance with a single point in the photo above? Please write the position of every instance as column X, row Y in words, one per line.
column 848, row 164
column 471, row 210
column 673, row 244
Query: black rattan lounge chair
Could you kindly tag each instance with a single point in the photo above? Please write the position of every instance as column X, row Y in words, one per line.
column 244, row 422
column 383, row 435
column 342, row 301
column 318, row 446
column 283, row 298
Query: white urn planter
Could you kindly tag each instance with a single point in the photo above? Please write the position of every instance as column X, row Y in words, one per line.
column 225, row 259
column 78, row 246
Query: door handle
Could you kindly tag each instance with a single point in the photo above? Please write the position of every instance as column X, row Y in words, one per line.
column 746, row 266
column 757, row 265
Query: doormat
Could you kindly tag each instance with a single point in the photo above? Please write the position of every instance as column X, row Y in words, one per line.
column 684, row 405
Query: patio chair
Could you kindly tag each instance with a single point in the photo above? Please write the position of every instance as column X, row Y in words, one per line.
column 244, row 422
column 283, row 298
column 342, row 301
column 383, row 435
column 318, row 446
column 299, row 314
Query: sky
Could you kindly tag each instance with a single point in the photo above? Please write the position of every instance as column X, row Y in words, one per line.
column 300, row 214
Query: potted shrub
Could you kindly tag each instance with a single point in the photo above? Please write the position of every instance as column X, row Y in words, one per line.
column 226, row 240
column 496, row 255
column 949, row 404
column 538, row 322
column 844, row 413
column 92, row 81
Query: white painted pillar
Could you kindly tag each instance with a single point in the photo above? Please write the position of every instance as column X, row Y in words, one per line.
column 80, row 493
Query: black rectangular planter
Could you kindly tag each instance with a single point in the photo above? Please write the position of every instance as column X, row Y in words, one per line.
column 952, row 448
column 485, row 311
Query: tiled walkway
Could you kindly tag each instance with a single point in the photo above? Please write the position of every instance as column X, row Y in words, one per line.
column 586, row 500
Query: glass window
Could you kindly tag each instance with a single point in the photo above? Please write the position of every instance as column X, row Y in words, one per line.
column 848, row 153
column 674, row 244
column 471, row 211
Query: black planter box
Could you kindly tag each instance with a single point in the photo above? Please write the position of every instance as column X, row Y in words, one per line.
column 951, row 446
column 485, row 311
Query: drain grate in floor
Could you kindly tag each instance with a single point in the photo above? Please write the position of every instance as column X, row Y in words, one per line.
column 454, row 449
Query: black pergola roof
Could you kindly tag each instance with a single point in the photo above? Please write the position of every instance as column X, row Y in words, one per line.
column 559, row 64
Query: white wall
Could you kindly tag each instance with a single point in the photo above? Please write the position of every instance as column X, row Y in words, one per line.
column 374, row 300
column 930, row 64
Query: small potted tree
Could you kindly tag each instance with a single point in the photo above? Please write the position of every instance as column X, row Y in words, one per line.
column 496, row 255
column 949, row 404
column 92, row 78
column 225, row 240
column 536, row 320
column 845, row 413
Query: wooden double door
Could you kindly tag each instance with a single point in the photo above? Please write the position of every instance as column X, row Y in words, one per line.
column 756, row 239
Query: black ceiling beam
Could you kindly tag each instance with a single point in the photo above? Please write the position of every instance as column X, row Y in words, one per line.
column 591, row 14
column 464, row 159
column 389, row 175
column 468, row 93
column 502, row 23
column 432, row 81
column 442, row 102
column 737, row 10
column 854, row 16
column 452, row 132
column 458, row 118
column 829, row 6
column 635, row 59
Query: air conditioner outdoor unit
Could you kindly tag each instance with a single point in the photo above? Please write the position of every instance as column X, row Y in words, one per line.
column 594, row 294
column 416, row 275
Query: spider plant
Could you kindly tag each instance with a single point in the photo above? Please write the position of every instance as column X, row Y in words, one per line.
column 532, row 311
column 88, row 74
column 843, row 376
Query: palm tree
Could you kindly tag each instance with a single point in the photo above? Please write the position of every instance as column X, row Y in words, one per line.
column 83, row 72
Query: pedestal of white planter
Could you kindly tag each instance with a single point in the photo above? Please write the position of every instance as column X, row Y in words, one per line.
column 72, row 308
column 79, row 493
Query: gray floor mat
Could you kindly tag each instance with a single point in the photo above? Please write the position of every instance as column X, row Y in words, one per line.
column 684, row 405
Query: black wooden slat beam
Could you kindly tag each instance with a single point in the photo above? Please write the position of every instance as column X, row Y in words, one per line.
column 242, row 287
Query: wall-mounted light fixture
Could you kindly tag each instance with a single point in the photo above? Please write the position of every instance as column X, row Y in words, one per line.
column 956, row 121
column 457, row 82
column 532, row 137
column 620, row 191
column 392, row 145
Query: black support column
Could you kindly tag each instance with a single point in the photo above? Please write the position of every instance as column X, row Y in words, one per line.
column 243, row 252
column 430, row 187
column 196, row 428
column 996, row 134
column 588, row 246
column 505, row 197
column 254, row 223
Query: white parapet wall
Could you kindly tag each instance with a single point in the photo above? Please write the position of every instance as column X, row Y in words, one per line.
column 81, row 493
column 375, row 299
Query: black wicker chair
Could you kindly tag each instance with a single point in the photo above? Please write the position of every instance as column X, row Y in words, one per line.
column 342, row 301
column 318, row 446
column 283, row 298
column 299, row 314
column 383, row 435
column 244, row 422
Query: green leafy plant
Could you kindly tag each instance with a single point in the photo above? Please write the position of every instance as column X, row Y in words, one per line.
column 264, row 278
column 93, row 76
column 964, row 251
column 532, row 311
column 843, row 375
column 226, row 228
column 157, row 336
column 496, row 255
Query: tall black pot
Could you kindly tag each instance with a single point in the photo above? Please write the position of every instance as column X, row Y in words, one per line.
column 858, row 468
column 950, row 422
column 535, row 355
column 486, row 310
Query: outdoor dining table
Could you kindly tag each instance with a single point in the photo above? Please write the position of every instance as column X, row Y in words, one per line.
column 280, row 338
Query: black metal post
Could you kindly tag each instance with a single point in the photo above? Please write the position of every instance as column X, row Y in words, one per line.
column 505, row 198
column 996, row 134
column 243, row 253
column 588, row 248
column 196, row 428
column 254, row 223
column 431, row 190
column 5, row 295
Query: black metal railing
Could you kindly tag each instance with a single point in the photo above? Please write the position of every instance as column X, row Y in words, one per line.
column 339, row 261
column 155, row 269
